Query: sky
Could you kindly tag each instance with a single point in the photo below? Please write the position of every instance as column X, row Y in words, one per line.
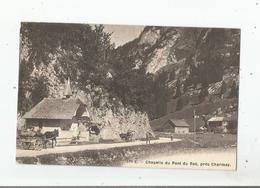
column 123, row 33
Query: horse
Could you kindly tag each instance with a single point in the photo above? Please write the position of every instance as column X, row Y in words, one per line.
column 50, row 135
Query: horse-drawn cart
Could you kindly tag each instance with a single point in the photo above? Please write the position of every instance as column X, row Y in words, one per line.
column 35, row 140
column 30, row 140
column 31, row 143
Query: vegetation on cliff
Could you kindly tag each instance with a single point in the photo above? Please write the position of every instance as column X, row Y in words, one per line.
column 138, row 80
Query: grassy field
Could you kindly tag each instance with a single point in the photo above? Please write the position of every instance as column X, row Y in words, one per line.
column 187, row 113
column 118, row 156
column 204, row 140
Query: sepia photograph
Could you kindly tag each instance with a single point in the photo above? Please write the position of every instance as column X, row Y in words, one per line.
column 128, row 96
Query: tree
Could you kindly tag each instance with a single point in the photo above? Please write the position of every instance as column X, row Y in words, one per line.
column 39, row 89
column 78, row 51
column 178, row 89
column 179, row 104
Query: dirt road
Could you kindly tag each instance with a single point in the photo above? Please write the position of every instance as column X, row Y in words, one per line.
column 75, row 148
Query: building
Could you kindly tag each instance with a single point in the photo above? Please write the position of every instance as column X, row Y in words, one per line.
column 57, row 112
column 175, row 126
column 217, row 124
column 232, row 121
column 179, row 126
column 222, row 124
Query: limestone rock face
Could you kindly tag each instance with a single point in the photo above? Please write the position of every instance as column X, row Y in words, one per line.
column 162, row 56
column 200, row 65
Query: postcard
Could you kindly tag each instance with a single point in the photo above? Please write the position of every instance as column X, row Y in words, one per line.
column 128, row 96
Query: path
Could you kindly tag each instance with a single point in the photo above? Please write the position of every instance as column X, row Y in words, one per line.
column 75, row 148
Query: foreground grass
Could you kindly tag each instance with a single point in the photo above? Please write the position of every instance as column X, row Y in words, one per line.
column 204, row 140
column 118, row 156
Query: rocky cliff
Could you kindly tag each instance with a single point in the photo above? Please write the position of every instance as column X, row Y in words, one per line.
column 165, row 70
column 188, row 65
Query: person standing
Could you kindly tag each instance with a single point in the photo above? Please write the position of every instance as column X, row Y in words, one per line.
column 147, row 135
column 75, row 131
column 87, row 131
column 171, row 137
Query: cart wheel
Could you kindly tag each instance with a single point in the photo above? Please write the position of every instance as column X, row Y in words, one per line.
column 38, row 145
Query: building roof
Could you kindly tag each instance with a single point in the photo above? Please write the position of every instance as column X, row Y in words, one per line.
column 178, row 123
column 50, row 108
column 216, row 118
